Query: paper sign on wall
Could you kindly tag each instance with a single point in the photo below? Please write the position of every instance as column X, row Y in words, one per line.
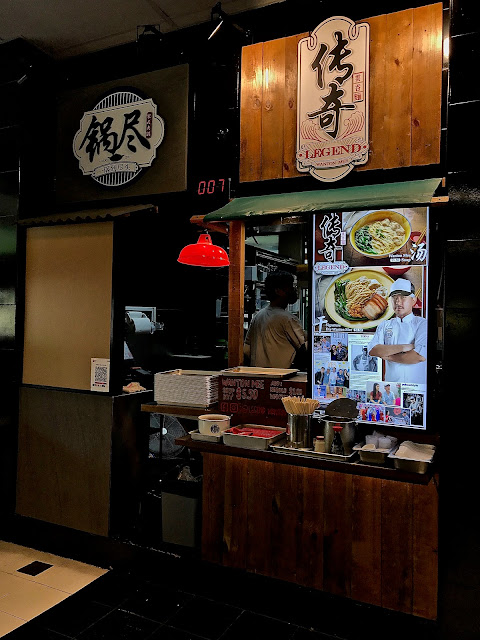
column 100, row 374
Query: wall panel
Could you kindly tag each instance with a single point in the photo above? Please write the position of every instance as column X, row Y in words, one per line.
column 68, row 303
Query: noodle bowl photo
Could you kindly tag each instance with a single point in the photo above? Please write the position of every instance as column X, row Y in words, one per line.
column 359, row 298
column 380, row 233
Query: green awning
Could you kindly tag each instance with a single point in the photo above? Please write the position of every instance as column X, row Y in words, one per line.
column 87, row 215
column 374, row 196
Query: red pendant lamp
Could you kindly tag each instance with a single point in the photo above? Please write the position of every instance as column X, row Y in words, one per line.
column 204, row 253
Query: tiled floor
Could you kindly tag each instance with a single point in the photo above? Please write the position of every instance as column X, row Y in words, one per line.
column 177, row 599
column 32, row 582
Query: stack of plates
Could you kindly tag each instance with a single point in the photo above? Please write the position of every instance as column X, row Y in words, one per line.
column 185, row 387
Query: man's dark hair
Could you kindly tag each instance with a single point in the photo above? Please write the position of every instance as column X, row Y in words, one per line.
column 277, row 280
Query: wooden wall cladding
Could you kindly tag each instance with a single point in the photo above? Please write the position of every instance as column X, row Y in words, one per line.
column 405, row 97
column 369, row 539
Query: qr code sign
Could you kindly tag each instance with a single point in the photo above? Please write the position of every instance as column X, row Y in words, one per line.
column 100, row 374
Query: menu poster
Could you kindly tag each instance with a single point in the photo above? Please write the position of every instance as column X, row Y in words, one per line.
column 369, row 289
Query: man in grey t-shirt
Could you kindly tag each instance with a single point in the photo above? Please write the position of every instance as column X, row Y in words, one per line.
column 275, row 335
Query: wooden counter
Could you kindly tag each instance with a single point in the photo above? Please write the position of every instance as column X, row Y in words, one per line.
column 356, row 468
column 179, row 411
column 366, row 533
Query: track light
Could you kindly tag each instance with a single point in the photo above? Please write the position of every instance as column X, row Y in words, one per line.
column 149, row 33
column 218, row 17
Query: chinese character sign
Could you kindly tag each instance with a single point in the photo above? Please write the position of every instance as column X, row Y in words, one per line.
column 118, row 138
column 332, row 110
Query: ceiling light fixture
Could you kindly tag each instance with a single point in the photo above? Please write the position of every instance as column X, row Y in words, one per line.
column 218, row 17
column 149, row 34
column 204, row 254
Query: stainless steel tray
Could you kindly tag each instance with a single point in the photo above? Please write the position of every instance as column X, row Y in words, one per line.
column 260, row 372
column 372, row 456
column 252, row 442
column 409, row 464
column 196, row 435
column 310, row 453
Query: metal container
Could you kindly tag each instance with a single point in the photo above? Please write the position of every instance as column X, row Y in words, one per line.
column 372, row 456
column 347, row 434
column 410, row 464
column 291, row 451
column 299, row 431
column 253, row 442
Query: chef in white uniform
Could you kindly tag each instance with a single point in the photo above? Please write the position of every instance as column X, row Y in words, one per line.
column 402, row 340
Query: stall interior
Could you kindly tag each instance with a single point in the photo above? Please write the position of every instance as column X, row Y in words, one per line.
column 190, row 337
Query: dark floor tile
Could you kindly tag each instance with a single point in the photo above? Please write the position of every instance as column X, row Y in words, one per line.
column 460, row 613
column 249, row 625
column 72, row 616
column 30, row 631
column 112, row 589
column 120, row 625
column 155, row 602
column 169, row 633
column 204, row 617
column 310, row 634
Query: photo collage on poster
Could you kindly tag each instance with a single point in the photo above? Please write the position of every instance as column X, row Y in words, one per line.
column 370, row 324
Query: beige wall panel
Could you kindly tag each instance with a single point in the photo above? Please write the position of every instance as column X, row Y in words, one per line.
column 68, row 299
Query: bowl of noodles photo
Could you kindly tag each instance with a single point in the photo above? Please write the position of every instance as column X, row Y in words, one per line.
column 380, row 233
column 359, row 299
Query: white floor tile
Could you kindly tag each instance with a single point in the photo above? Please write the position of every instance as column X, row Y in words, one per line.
column 26, row 599
column 65, row 574
column 9, row 623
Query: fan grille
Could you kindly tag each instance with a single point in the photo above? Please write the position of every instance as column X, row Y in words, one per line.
column 166, row 429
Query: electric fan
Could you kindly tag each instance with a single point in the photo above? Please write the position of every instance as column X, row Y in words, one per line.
column 166, row 429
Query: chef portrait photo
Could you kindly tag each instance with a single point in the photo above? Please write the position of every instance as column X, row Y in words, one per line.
column 361, row 361
column 401, row 341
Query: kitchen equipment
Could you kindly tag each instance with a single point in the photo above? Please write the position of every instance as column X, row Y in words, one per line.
column 310, row 453
column 413, row 457
column 244, row 436
column 213, row 424
column 341, row 413
column 319, row 444
column 372, row 456
column 299, row 430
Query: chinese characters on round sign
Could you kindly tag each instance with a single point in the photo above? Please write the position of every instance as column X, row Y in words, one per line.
column 118, row 138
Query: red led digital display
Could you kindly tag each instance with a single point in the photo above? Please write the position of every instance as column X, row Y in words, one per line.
column 208, row 187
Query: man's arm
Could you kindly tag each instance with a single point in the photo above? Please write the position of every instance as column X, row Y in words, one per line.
column 386, row 350
column 409, row 357
column 295, row 333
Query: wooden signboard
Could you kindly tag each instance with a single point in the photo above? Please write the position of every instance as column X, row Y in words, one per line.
column 405, row 97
